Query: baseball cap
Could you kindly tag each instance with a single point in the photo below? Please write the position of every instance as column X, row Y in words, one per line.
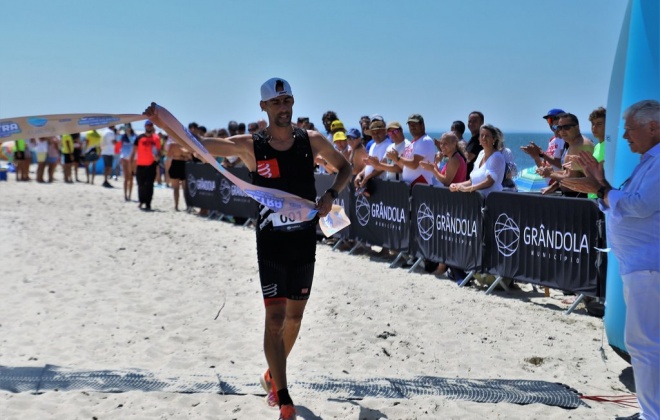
column 147, row 122
column 337, row 125
column 553, row 112
column 339, row 135
column 377, row 117
column 272, row 88
column 393, row 125
column 353, row 133
column 416, row 118
column 375, row 125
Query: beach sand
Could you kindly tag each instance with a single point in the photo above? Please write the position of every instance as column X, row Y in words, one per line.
column 89, row 282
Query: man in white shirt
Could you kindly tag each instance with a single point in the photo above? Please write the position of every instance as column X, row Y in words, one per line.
column 377, row 150
column 421, row 148
column 399, row 144
column 108, row 152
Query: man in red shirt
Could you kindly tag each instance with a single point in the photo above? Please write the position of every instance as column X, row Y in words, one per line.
column 147, row 150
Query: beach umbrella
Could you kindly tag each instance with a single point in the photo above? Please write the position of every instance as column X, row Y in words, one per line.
column 7, row 150
column 529, row 181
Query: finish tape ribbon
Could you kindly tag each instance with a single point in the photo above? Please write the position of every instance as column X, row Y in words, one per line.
column 289, row 205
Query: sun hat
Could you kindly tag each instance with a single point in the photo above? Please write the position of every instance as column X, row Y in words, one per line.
column 337, row 125
column 338, row 136
column 553, row 112
column 353, row 133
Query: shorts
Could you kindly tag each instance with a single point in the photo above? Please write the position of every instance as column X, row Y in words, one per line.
column 68, row 158
column 91, row 156
column 286, row 264
column 19, row 155
column 177, row 169
column 51, row 159
column 77, row 156
column 107, row 160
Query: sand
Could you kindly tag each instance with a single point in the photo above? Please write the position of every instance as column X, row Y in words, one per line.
column 89, row 282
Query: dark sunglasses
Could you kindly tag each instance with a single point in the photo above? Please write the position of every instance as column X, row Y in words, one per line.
column 563, row 127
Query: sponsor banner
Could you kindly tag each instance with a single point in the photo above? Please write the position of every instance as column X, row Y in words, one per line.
column 55, row 125
column 549, row 241
column 231, row 199
column 447, row 227
column 382, row 219
column 202, row 183
column 323, row 182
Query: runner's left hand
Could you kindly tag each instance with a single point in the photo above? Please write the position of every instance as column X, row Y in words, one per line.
column 324, row 204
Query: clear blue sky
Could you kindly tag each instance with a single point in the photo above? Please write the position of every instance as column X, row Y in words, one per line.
column 205, row 60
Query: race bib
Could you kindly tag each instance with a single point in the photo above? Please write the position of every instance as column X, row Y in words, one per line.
column 281, row 222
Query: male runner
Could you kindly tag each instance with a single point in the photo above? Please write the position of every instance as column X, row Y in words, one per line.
column 282, row 157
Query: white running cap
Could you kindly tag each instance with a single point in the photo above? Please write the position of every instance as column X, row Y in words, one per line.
column 275, row 87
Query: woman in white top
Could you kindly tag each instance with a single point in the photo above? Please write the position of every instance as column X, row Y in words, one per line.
column 489, row 166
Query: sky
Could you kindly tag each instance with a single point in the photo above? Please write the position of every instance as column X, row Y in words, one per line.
column 513, row 60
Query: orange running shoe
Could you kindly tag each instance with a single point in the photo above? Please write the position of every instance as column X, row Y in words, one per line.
column 266, row 380
column 287, row 412
column 269, row 386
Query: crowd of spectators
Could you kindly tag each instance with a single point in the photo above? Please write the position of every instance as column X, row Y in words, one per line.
column 375, row 148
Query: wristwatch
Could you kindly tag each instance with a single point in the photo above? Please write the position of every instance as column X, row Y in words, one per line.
column 602, row 191
column 333, row 193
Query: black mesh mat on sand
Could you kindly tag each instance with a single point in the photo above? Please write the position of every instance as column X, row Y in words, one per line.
column 54, row 378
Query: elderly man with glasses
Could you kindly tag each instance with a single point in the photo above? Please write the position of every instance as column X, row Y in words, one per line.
column 633, row 223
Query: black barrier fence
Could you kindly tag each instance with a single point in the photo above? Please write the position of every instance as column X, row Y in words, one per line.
column 209, row 189
column 447, row 227
column 552, row 241
column 549, row 241
column 383, row 218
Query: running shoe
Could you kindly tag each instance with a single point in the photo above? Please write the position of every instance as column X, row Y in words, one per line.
column 266, row 380
column 287, row 412
column 269, row 386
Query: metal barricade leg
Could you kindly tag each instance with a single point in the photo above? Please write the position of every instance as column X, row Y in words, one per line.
column 400, row 255
column 498, row 281
column 575, row 304
column 417, row 263
column 467, row 279
column 338, row 244
column 357, row 245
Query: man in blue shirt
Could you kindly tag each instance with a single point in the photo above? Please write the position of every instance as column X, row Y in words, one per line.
column 633, row 232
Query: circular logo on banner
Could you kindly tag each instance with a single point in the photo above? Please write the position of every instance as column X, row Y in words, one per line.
column 507, row 235
column 225, row 191
column 425, row 221
column 362, row 210
column 192, row 185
